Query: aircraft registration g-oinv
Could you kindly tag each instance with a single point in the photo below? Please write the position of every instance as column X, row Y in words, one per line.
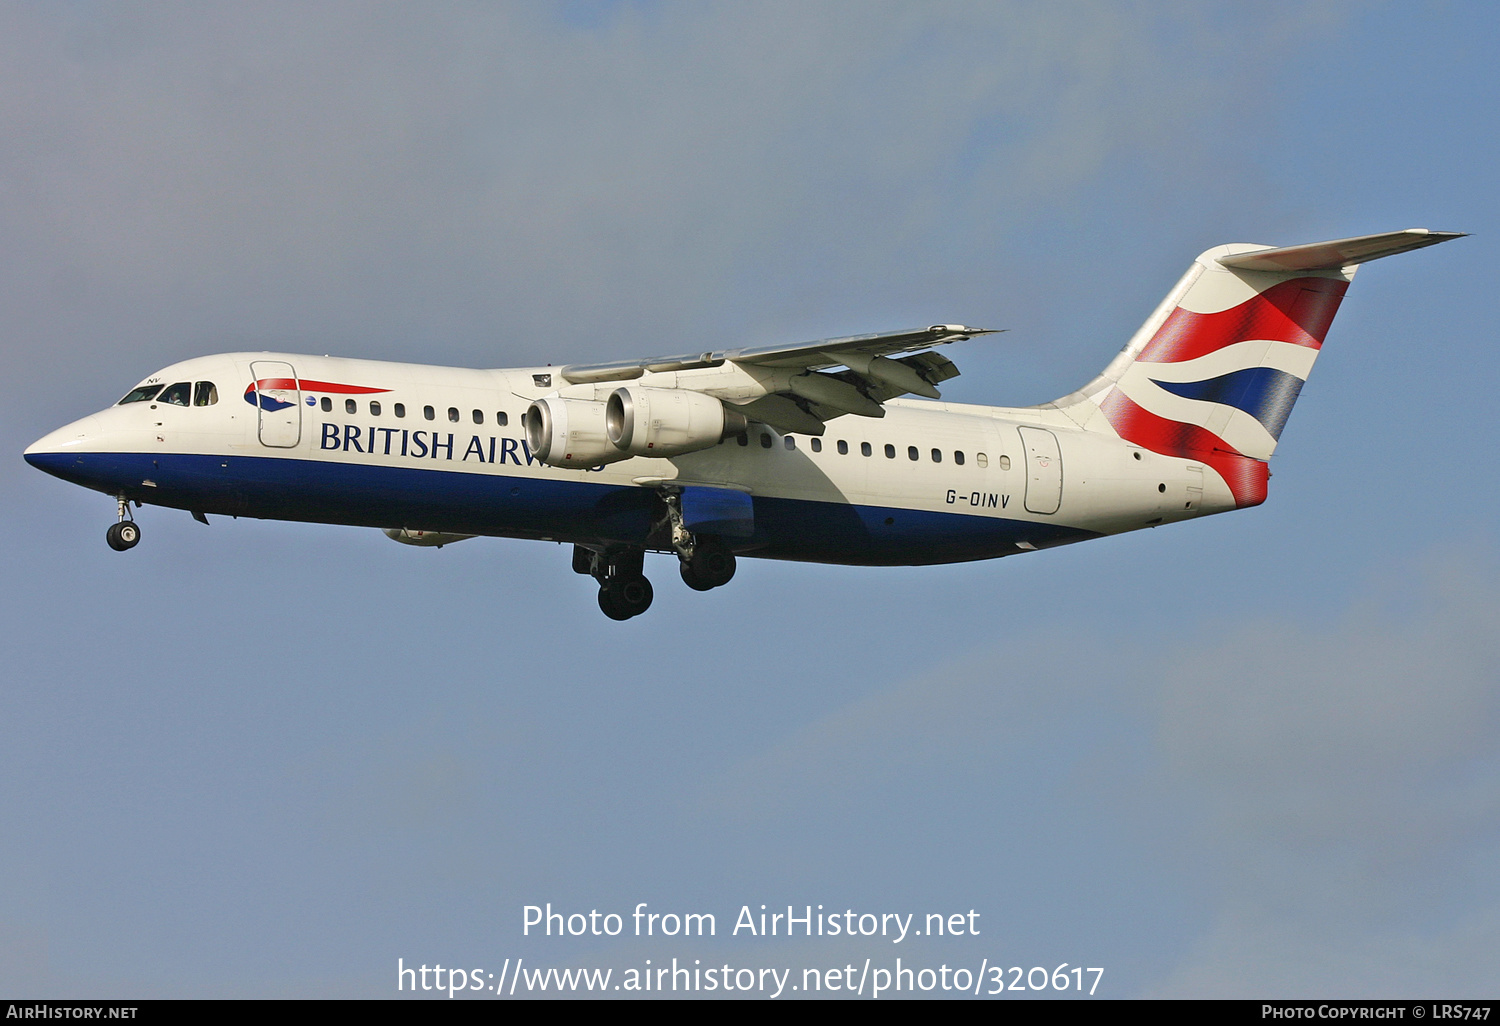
column 809, row 452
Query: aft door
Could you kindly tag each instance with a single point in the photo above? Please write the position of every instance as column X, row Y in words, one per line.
column 1043, row 470
column 278, row 403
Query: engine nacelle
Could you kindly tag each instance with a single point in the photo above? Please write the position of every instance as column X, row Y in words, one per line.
column 569, row 433
column 407, row 536
column 667, row 421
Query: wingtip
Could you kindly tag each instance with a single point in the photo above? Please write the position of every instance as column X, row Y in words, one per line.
column 1440, row 236
column 963, row 330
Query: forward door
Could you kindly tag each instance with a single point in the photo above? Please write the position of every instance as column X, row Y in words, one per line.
column 278, row 403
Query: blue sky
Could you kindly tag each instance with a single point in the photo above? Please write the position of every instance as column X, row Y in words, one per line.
column 1250, row 755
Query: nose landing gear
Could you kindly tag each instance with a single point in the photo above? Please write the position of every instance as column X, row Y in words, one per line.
column 125, row 534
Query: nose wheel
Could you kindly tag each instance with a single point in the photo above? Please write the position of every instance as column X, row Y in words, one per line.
column 125, row 534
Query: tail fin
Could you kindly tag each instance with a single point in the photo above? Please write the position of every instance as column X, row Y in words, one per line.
column 1213, row 373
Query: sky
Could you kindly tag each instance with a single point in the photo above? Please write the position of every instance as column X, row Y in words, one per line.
column 1247, row 756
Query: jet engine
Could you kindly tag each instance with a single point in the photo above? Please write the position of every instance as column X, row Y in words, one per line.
column 667, row 421
column 569, row 433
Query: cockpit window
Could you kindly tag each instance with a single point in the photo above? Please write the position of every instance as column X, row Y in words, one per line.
column 205, row 394
column 140, row 395
column 177, row 394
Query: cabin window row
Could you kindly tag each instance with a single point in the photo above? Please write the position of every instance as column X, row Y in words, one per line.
column 429, row 413
column 913, row 453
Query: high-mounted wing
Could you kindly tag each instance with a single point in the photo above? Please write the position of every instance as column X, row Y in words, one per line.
column 803, row 396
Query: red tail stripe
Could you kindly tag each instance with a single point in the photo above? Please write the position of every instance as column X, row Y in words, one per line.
column 1297, row 311
column 1247, row 477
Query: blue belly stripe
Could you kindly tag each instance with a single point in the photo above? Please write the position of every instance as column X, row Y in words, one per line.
column 567, row 510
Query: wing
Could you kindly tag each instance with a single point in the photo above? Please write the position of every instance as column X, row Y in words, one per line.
column 866, row 370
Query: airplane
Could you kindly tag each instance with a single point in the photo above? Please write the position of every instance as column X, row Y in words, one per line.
column 839, row 450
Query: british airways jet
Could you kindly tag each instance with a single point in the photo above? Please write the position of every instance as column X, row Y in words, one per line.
column 811, row 452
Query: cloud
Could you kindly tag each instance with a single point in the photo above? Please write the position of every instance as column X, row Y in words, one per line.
column 508, row 183
column 1353, row 789
column 1327, row 791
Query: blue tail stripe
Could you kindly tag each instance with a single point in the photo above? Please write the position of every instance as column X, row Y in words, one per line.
column 1267, row 394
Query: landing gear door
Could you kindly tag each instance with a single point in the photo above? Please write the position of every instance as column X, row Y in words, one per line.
column 1043, row 470
column 278, row 403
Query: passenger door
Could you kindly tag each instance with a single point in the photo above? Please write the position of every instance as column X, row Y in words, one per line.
column 278, row 403
column 1044, row 470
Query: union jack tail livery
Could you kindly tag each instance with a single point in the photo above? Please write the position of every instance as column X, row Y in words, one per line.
column 1213, row 373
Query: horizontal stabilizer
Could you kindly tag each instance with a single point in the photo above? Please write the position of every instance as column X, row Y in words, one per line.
column 1330, row 256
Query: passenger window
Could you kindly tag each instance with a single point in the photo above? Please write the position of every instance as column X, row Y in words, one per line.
column 890, row 451
column 817, row 444
column 374, row 409
column 327, row 405
column 912, row 454
column 502, row 418
column 958, row 457
column 789, row 442
column 765, row 441
column 141, row 394
column 400, row 409
column 864, row 448
column 205, row 393
column 1004, row 462
column 937, row 455
column 981, row 459
column 350, row 406
column 843, row 447
column 479, row 416
column 428, row 412
column 177, row 394
column 453, row 414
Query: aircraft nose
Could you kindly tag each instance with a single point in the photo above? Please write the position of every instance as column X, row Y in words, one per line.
column 65, row 440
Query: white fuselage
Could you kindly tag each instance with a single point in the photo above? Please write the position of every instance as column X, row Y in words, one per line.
column 930, row 482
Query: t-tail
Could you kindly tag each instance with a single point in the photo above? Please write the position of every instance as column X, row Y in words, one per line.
column 1213, row 373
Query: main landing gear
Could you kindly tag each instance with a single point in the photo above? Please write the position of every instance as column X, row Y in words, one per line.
column 710, row 565
column 126, row 533
column 706, row 561
column 623, row 590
